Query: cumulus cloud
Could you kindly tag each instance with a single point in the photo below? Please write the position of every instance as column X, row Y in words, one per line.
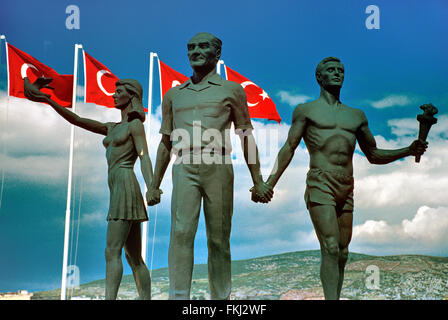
column 292, row 99
column 93, row 218
column 386, row 197
column 392, row 101
column 427, row 229
column 35, row 143
column 409, row 127
column 405, row 182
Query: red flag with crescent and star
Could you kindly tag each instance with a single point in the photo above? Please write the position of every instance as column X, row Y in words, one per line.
column 99, row 82
column 260, row 105
column 21, row 65
column 169, row 78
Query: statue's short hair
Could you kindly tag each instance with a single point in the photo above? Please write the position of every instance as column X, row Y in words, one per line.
column 217, row 43
column 322, row 63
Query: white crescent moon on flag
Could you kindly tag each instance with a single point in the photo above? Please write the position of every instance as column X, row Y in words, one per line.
column 100, row 85
column 25, row 67
column 244, row 85
column 175, row 83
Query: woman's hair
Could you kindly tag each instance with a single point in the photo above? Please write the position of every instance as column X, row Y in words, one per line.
column 134, row 87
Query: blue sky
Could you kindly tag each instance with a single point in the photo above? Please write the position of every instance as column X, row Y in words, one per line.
column 276, row 44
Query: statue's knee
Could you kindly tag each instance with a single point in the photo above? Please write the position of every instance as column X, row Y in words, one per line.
column 183, row 236
column 343, row 254
column 134, row 260
column 217, row 244
column 331, row 246
column 112, row 254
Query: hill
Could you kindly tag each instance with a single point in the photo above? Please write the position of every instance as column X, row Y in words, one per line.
column 295, row 276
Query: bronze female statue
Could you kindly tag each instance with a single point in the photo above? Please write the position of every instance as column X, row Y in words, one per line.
column 124, row 141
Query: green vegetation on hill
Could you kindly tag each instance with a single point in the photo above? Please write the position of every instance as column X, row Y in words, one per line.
column 295, row 275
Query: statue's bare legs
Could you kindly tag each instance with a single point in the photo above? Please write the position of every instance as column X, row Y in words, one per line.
column 334, row 232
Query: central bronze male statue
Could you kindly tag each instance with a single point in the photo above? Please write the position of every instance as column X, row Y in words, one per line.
column 205, row 105
column 330, row 130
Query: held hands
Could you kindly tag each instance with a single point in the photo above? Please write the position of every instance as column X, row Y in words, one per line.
column 153, row 196
column 262, row 192
column 32, row 90
column 418, row 147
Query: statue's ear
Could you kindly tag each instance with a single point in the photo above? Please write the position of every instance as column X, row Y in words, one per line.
column 218, row 54
column 318, row 77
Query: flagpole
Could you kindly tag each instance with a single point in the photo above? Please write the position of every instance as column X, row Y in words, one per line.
column 2, row 37
column 225, row 71
column 7, row 67
column 218, row 66
column 145, row 223
column 69, row 184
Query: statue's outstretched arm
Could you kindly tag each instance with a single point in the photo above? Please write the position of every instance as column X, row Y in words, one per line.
column 367, row 143
column 33, row 93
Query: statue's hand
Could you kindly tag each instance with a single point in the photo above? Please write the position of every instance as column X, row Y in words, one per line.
column 418, row 147
column 32, row 90
column 153, row 196
column 262, row 192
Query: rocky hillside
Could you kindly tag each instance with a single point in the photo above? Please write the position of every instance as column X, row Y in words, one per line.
column 295, row 276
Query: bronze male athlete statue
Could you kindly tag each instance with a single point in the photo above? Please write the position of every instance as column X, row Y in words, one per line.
column 330, row 130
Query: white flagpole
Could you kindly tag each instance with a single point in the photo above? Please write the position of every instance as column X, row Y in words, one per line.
column 2, row 37
column 145, row 224
column 69, row 186
column 225, row 70
column 218, row 66
column 7, row 68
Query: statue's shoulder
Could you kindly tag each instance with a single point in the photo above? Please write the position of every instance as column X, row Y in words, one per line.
column 357, row 115
column 231, row 85
column 306, row 107
column 172, row 92
column 355, row 111
column 302, row 111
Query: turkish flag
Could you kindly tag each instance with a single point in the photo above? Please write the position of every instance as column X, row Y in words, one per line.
column 169, row 78
column 99, row 82
column 259, row 103
column 21, row 65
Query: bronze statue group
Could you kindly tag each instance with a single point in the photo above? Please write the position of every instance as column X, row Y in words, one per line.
column 329, row 128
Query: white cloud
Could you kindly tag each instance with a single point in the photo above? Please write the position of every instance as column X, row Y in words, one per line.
column 427, row 229
column 386, row 197
column 35, row 143
column 405, row 182
column 410, row 127
column 93, row 218
column 429, row 225
column 292, row 99
column 391, row 101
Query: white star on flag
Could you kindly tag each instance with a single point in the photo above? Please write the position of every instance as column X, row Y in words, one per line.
column 264, row 95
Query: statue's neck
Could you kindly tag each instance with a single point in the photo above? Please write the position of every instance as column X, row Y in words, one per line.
column 201, row 74
column 330, row 95
column 125, row 111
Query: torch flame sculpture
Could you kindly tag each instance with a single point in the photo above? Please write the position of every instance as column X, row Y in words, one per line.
column 426, row 120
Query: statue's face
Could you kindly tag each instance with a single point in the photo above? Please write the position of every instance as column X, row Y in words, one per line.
column 121, row 97
column 332, row 74
column 202, row 54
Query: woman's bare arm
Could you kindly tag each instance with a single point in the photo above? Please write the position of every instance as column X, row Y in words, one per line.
column 33, row 93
